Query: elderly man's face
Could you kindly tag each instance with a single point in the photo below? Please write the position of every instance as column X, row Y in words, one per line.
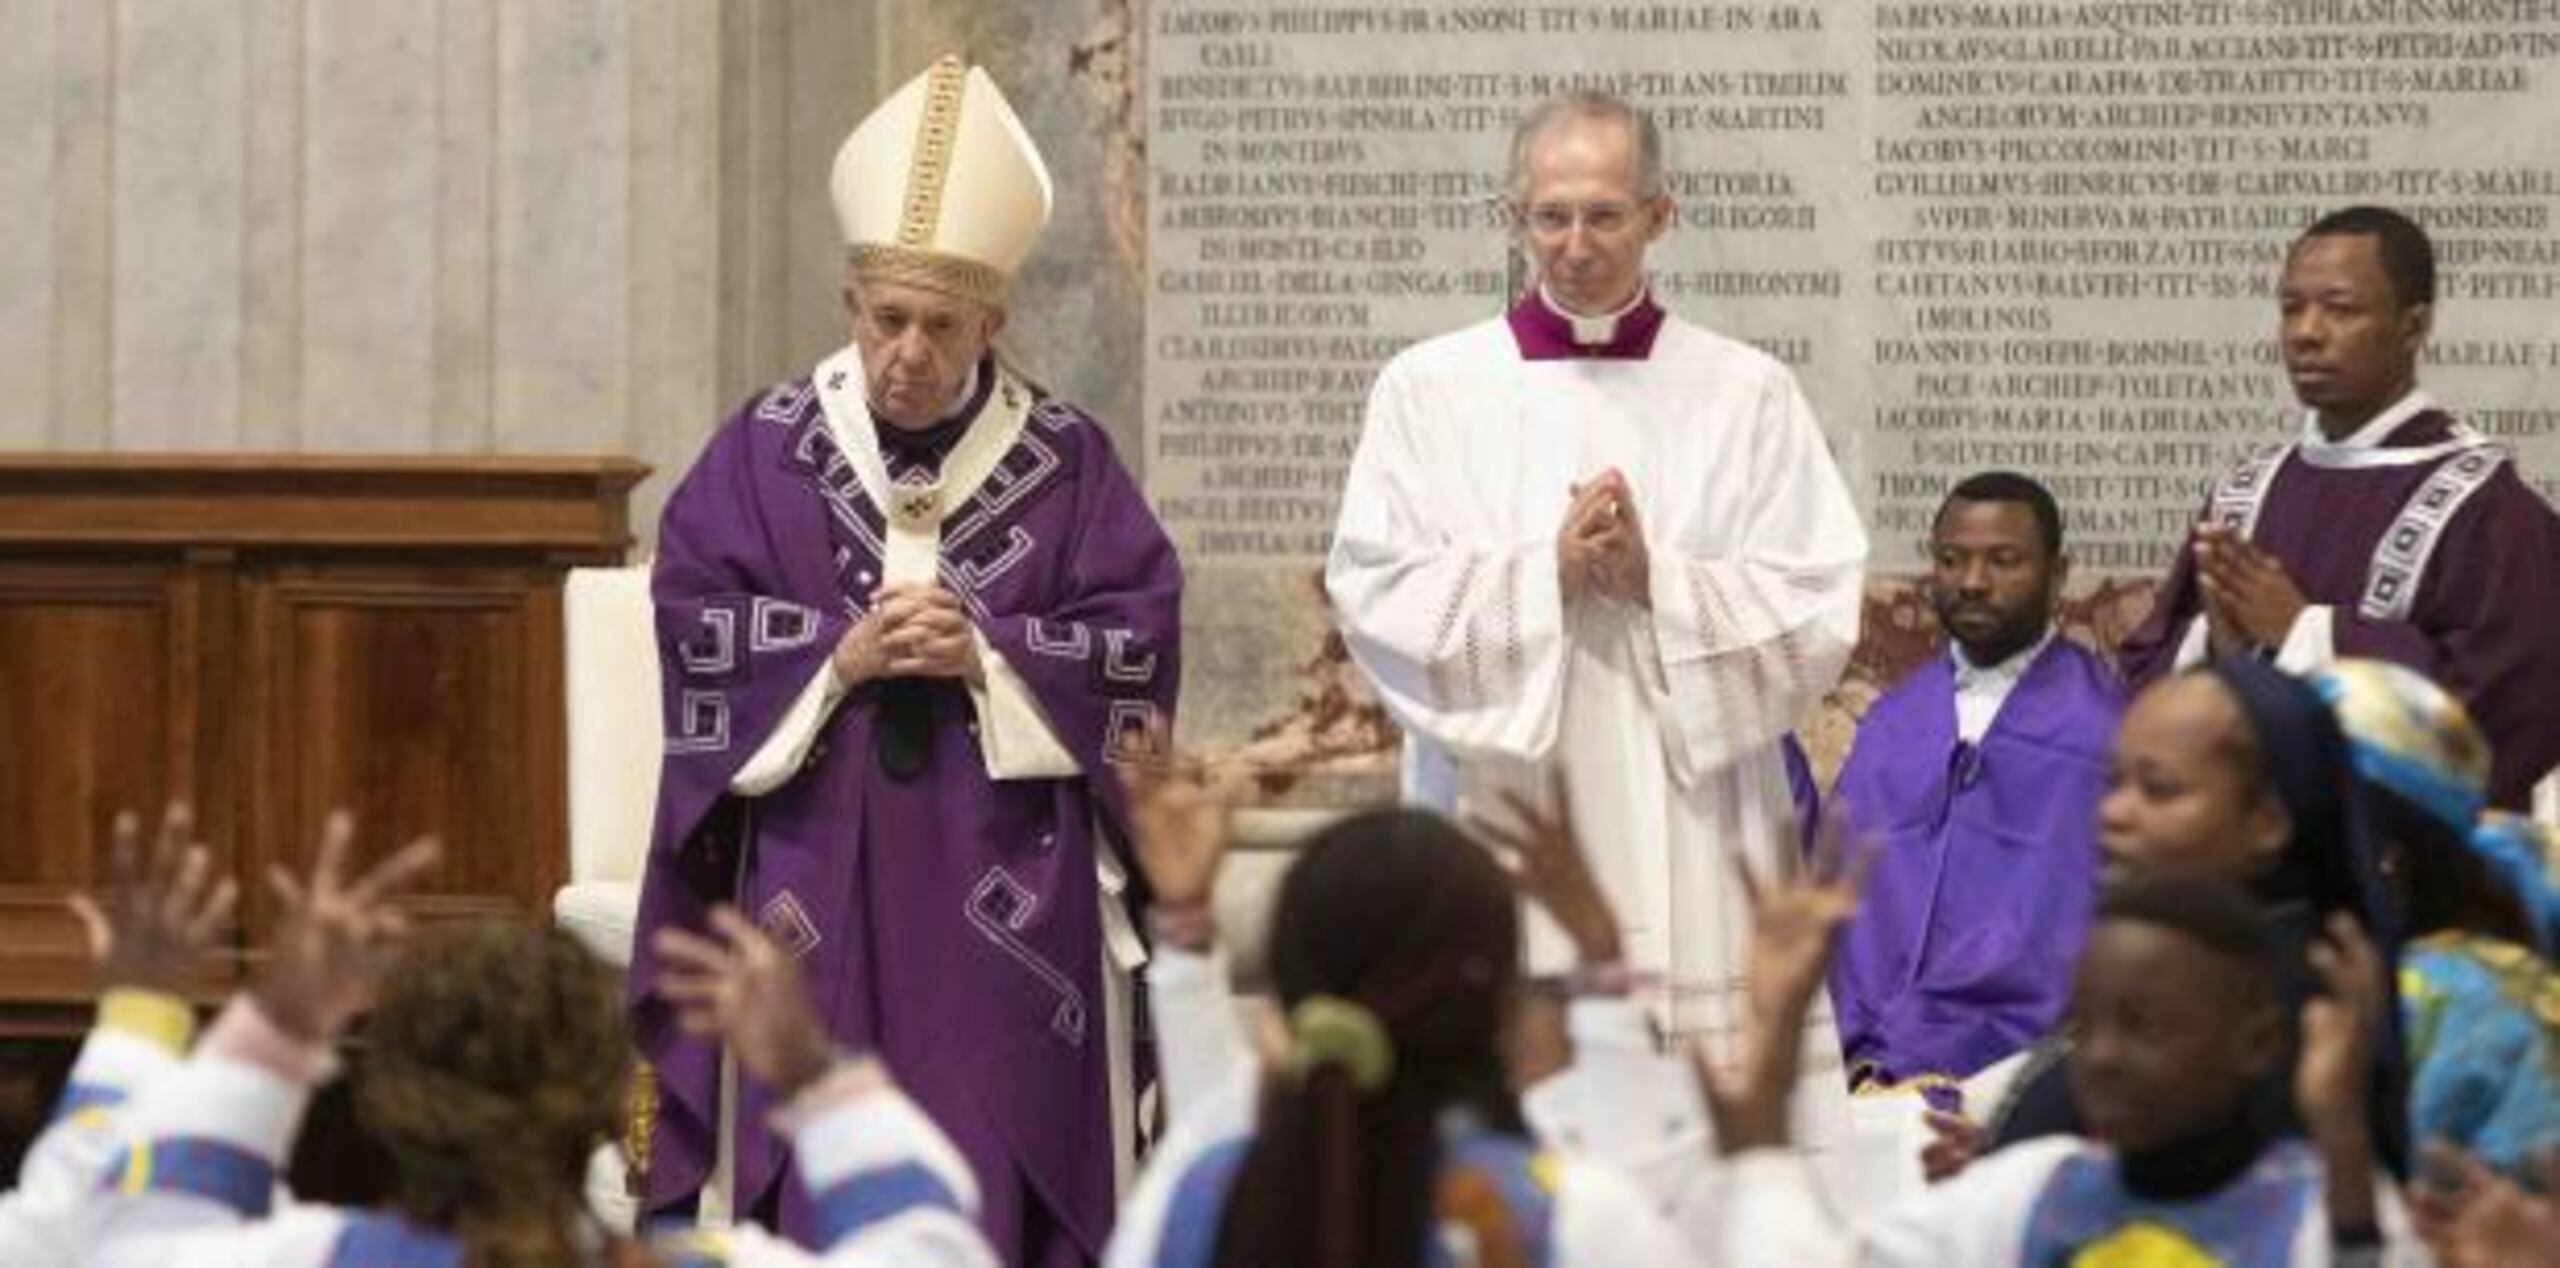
column 917, row 348
column 1582, row 219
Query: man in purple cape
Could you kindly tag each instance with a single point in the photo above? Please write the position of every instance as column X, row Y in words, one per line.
column 909, row 612
column 2387, row 529
column 1979, row 775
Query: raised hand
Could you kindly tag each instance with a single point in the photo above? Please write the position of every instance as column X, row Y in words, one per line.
column 2339, row 1029
column 333, row 933
column 1954, row 1142
column 1546, row 865
column 743, row 989
column 1180, row 816
column 2473, row 1217
column 161, row 908
column 1792, row 931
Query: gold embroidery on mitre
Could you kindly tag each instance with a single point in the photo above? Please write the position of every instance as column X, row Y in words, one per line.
column 929, row 167
column 930, row 270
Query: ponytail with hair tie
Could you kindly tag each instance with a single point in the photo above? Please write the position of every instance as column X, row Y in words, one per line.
column 1330, row 1032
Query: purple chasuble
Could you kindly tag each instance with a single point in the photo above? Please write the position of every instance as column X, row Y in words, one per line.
column 951, row 922
column 2482, row 620
column 1547, row 335
column 1962, row 948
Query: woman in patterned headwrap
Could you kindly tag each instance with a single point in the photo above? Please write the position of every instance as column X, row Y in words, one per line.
column 2480, row 1004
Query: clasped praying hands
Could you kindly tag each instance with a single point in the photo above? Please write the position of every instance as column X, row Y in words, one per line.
column 912, row 631
column 1601, row 547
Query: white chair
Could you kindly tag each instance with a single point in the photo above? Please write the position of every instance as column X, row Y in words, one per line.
column 610, row 655
column 615, row 745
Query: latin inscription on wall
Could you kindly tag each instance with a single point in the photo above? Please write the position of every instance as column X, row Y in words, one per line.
column 2032, row 235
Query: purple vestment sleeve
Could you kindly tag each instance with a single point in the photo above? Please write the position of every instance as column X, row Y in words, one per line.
column 1962, row 947
column 2150, row 651
column 1103, row 661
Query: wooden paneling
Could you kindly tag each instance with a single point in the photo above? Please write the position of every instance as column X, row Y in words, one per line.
column 395, row 694
column 272, row 638
column 98, row 710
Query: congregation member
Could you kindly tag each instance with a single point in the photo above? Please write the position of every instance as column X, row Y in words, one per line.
column 909, row 610
column 150, row 927
column 2182, row 1023
column 2480, row 1004
column 1979, row 776
column 1378, row 1123
column 1590, row 545
column 495, row 1063
column 2238, row 772
column 2387, row 528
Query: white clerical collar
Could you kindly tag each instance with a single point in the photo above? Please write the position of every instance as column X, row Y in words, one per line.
column 1593, row 331
column 2368, row 445
column 2010, row 669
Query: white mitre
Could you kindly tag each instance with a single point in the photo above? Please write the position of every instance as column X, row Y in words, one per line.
column 941, row 188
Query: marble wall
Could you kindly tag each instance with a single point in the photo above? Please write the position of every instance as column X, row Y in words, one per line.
column 415, row 225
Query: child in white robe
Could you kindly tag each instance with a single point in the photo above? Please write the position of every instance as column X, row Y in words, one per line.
column 496, row 1061
column 1383, row 1125
column 2176, row 1001
column 149, row 927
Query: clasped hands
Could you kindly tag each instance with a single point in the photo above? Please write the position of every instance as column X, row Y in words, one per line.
column 1601, row 546
column 2249, row 598
column 912, row 631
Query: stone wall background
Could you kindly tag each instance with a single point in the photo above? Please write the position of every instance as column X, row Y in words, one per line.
column 483, row 226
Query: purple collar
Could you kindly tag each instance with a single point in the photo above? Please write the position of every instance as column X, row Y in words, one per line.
column 1544, row 334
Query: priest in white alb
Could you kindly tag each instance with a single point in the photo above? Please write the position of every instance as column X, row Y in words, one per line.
column 1590, row 546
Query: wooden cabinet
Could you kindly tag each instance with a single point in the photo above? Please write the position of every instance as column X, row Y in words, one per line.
column 270, row 637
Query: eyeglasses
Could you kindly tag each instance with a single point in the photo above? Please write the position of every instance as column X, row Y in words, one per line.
column 1555, row 220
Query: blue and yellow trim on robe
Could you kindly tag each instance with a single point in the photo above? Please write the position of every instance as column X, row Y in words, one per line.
column 215, row 1170
column 88, row 1104
column 2085, row 1218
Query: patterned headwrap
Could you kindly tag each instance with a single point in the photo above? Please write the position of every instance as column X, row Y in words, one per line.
column 2414, row 739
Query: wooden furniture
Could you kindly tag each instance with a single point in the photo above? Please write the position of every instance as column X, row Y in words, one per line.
column 272, row 636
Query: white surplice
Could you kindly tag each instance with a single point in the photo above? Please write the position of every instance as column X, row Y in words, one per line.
column 1665, row 722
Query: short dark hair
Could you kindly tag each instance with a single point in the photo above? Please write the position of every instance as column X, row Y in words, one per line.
column 2214, row 914
column 2408, row 256
column 2009, row 486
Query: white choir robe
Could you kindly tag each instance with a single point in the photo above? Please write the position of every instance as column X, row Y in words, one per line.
column 1664, row 723
column 44, row 1220
column 1213, row 1077
column 200, row 1149
column 1775, row 1217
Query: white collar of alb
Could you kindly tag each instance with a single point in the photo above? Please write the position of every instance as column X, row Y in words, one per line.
column 1590, row 332
column 2368, row 445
